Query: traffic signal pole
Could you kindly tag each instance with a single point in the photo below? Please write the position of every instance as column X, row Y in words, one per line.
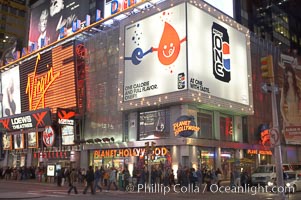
column 267, row 69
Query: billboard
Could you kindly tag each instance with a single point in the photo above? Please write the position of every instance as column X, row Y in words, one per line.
column 218, row 59
column 48, row 18
column 11, row 92
column 48, row 80
column 157, row 59
column 290, row 99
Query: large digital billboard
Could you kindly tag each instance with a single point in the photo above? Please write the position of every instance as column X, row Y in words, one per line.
column 218, row 57
column 48, row 80
column 155, row 61
column 226, row 6
column 10, row 80
column 48, row 18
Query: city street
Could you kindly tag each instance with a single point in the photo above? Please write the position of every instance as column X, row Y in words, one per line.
column 46, row 191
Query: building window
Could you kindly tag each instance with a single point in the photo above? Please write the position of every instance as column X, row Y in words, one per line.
column 205, row 122
column 226, row 129
column 154, row 124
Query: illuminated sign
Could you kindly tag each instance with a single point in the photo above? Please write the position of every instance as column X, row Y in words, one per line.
column 262, row 152
column 37, row 86
column 226, row 54
column 159, row 151
column 32, row 140
column 165, row 52
column 50, row 170
column 48, row 136
column 32, row 119
column 185, row 126
column 116, row 6
column 48, row 80
column 65, row 116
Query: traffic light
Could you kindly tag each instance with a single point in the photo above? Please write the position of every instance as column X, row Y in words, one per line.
column 267, row 67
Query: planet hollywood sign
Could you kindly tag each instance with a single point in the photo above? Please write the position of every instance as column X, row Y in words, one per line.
column 129, row 152
column 185, row 126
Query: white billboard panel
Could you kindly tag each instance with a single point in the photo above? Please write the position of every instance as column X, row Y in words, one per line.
column 11, row 92
column 226, row 6
column 155, row 55
column 218, row 57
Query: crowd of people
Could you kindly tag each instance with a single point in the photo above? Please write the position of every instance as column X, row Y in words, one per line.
column 100, row 178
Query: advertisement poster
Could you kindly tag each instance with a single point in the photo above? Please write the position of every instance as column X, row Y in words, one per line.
column 7, row 142
column 67, row 135
column 48, row 19
column 19, row 141
column 290, row 100
column 155, row 61
column 219, row 57
column 11, row 91
column 32, row 138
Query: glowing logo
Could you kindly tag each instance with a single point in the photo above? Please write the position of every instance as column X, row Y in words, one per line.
column 221, row 53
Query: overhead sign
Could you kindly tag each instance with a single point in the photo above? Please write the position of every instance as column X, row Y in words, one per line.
column 27, row 120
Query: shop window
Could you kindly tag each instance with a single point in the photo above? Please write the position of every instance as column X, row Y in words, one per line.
column 205, row 122
column 226, row 128
column 154, row 124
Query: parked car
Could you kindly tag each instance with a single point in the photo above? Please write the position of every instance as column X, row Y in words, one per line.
column 292, row 183
column 265, row 173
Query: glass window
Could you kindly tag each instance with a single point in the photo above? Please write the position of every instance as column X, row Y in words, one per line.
column 226, row 131
column 205, row 122
column 154, row 124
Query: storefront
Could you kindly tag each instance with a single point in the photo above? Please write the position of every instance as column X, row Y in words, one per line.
column 129, row 157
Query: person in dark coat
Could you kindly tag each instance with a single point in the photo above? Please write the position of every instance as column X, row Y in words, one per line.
column 90, row 180
column 72, row 178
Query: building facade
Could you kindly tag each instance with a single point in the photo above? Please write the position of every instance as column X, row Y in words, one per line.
column 120, row 94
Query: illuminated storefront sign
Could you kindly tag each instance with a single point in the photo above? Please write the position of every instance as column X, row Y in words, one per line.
column 185, row 126
column 262, row 152
column 159, row 151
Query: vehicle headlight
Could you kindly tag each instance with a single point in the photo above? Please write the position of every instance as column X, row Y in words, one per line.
column 270, row 183
column 288, row 184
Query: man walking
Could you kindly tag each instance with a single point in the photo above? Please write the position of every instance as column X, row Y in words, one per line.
column 97, row 176
column 112, row 178
column 90, row 180
column 72, row 178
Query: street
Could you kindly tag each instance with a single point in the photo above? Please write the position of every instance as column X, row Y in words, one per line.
column 45, row 191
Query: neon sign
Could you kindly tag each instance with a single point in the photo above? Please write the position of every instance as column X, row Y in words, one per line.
column 185, row 126
column 38, row 85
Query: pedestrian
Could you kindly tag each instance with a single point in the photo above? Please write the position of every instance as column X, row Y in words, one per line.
column 72, row 178
column 97, row 176
column 89, row 180
column 112, row 178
